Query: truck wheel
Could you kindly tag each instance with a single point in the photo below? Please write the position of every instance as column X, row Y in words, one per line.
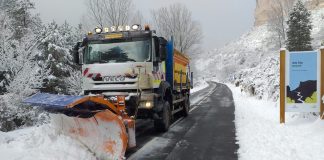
column 163, row 124
column 186, row 107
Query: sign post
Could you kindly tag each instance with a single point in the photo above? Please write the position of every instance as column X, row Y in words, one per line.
column 322, row 83
column 282, row 85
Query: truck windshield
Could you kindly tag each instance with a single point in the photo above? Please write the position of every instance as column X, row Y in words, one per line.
column 119, row 52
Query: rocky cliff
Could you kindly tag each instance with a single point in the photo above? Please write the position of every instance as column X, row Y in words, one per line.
column 264, row 8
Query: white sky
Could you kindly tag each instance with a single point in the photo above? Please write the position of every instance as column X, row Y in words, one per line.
column 221, row 20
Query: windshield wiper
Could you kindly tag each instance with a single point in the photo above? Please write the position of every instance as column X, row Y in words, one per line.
column 114, row 60
column 132, row 60
column 125, row 60
column 100, row 61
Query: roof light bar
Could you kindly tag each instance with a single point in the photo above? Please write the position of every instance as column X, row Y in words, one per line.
column 98, row 30
column 135, row 27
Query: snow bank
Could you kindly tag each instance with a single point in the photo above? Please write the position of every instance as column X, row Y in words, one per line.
column 39, row 143
column 260, row 135
column 199, row 85
column 13, row 114
column 264, row 79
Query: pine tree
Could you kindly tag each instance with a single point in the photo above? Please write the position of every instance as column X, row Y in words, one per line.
column 57, row 55
column 299, row 29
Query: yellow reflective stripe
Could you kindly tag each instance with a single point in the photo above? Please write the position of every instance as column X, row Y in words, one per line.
column 163, row 67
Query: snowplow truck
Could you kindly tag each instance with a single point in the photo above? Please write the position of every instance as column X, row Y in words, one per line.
column 153, row 76
column 127, row 73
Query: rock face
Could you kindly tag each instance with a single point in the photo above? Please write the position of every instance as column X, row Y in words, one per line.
column 262, row 11
column 315, row 4
column 264, row 8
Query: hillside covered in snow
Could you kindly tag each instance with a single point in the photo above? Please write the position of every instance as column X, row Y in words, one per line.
column 252, row 61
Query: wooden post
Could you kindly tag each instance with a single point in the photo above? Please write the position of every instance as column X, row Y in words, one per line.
column 322, row 84
column 282, row 85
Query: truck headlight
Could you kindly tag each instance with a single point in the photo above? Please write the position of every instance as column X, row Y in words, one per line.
column 148, row 104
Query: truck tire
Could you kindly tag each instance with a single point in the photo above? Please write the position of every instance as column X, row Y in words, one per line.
column 163, row 124
column 186, row 107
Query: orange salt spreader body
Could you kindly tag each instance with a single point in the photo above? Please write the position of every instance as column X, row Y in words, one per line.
column 99, row 124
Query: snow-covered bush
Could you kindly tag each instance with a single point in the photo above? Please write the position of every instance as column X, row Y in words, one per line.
column 245, row 61
column 73, row 83
column 32, row 57
column 56, row 53
column 264, row 79
column 246, row 52
column 22, row 73
column 13, row 114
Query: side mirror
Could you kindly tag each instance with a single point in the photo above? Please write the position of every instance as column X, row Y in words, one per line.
column 75, row 52
column 162, row 48
column 157, row 49
column 80, row 53
column 163, row 52
column 191, row 80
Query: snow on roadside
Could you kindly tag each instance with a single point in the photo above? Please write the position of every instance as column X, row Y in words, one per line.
column 40, row 143
column 260, row 135
column 151, row 148
column 199, row 85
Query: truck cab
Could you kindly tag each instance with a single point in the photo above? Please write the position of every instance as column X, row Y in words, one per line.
column 134, row 63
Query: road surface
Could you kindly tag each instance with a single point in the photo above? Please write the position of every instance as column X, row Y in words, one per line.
column 207, row 133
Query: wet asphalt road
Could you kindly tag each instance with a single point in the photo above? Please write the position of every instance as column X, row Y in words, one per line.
column 207, row 133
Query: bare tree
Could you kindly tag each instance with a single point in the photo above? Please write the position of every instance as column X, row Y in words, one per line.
column 176, row 21
column 138, row 18
column 277, row 17
column 109, row 12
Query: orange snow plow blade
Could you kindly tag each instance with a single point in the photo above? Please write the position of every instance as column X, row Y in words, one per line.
column 99, row 125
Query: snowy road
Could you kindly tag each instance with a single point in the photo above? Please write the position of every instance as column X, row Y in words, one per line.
column 208, row 132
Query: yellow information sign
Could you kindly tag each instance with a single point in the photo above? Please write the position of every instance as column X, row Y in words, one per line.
column 114, row 36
